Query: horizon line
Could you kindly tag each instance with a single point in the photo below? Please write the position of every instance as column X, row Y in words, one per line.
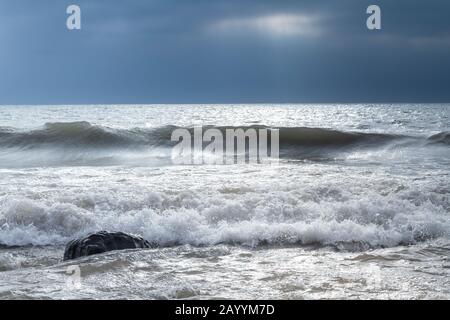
column 220, row 103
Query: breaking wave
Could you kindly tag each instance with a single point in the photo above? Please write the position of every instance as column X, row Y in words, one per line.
column 82, row 143
column 309, row 216
column 441, row 138
column 84, row 134
column 81, row 134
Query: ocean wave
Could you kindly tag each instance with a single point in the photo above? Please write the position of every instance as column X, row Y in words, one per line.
column 78, row 135
column 279, row 219
column 84, row 134
column 82, row 143
column 441, row 138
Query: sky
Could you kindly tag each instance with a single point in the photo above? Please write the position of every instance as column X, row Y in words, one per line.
column 229, row 51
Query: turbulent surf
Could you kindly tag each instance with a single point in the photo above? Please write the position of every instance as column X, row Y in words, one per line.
column 355, row 184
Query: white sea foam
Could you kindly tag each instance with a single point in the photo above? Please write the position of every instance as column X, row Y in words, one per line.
column 312, row 215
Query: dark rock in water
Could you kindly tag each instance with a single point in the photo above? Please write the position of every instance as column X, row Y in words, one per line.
column 103, row 241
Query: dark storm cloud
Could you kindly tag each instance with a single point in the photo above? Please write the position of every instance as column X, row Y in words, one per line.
column 224, row 51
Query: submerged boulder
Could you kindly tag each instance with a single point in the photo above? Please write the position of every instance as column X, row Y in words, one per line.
column 103, row 241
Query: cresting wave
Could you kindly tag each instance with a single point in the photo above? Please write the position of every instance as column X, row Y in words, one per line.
column 441, row 138
column 86, row 135
column 79, row 135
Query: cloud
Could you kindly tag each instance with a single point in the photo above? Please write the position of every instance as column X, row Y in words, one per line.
column 278, row 25
column 224, row 51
